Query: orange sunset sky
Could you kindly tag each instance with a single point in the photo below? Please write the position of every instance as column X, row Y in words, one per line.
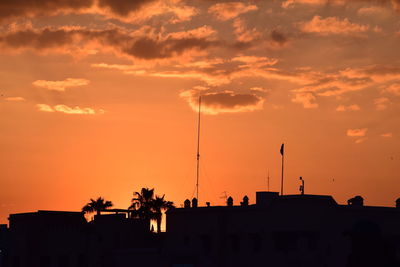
column 99, row 98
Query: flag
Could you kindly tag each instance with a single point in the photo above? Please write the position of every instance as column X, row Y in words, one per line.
column 282, row 149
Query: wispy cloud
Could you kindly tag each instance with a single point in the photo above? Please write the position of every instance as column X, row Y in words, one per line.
column 393, row 89
column 332, row 25
column 230, row 10
column 60, row 85
column 381, row 103
column 387, row 135
column 395, row 4
column 306, row 99
column 223, row 101
column 360, row 140
column 348, row 108
column 69, row 110
column 289, row 3
column 125, row 10
column 15, row 99
column 145, row 43
column 357, row 132
column 44, row 108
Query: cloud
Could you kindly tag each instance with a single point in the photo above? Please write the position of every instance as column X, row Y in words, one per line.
column 306, row 99
column 357, row 132
column 68, row 110
column 244, row 35
column 142, row 44
column 223, row 102
column 123, row 7
column 360, row 140
column 336, row 83
column 374, row 11
column 230, row 10
column 29, row 8
column 332, row 25
column 278, row 38
column 376, row 72
column 387, row 135
column 125, row 10
column 289, row 3
column 213, row 71
column 44, row 108
column 15, row 99
column 60, row 85
column 259, row 89
column 393, row 89
column 381, row 103
column 348, row 108
column 259, row 61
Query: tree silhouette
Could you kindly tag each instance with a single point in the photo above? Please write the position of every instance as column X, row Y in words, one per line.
column 145, row 205
column 142, row 204
column 160, row 205
column 97, row 205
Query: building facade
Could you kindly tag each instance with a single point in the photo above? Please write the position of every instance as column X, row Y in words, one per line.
column 279, row 231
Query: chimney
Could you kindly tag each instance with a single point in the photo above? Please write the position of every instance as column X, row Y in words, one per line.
column 186, row 204
column 245, row 201
column 194, row 202
column 229, row 201
column 357, row 201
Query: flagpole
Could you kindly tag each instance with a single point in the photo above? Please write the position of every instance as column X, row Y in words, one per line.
column 283, row 157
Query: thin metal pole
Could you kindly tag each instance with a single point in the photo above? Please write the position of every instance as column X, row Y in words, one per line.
column 268, row 180
column 198, row 152
column 283, row 156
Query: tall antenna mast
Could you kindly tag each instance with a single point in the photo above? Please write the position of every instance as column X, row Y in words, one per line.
column 198, row 152
column 268, row 180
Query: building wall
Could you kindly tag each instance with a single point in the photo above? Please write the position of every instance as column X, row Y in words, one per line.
column 290, row 231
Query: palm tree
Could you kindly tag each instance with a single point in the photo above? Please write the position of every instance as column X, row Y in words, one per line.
column 145, row 206
column 159, row 205
column 97, row 205
column 142, row 204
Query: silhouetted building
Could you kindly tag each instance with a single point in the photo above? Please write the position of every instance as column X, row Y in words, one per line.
column 4, row 240
column 65, row 239
column 291, row 230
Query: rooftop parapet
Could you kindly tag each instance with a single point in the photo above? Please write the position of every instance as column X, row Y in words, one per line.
column 264, row 198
